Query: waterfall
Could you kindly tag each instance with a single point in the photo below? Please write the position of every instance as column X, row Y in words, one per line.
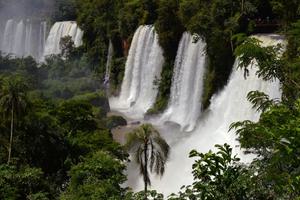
column 187, row 84
column 1, row 32
column 42, row 38
column 143, row 67
column 28, row 38
column 23, row 38
column 60, row 30
column 108, row 64
column 18, row 47
column 8, row 37
column 227, row 107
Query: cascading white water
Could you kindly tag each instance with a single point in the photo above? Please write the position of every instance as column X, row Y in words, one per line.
column 28, row 38
column 42, row 38
column 185, row 101
column 8, row 37
column 227, row 107
column 60, row 30
column 108, row 63
column 1, row 32
column 18, row 48
column 23, row 38
column 143, row 67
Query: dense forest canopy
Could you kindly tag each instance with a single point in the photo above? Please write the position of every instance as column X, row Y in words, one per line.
column 55, row 135
column 216, row 21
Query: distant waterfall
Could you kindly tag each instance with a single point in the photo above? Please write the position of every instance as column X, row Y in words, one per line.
column 228, row 106
column 28, row 38
column 143, row 67
column 187, row 84
column 23, row 38
column 108, row 64
column 60, row 30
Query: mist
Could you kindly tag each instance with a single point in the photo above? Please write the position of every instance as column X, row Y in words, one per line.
column 26, row 8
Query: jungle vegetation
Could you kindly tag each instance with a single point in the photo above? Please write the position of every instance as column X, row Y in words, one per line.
column 55, row 137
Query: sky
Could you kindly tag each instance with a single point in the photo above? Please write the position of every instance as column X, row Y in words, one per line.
column 21, row 8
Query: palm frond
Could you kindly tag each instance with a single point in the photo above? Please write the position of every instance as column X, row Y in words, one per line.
column 163, row 145
column 152, row 156
column 261, row 101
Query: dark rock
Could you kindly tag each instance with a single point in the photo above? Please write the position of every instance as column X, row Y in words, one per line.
column 115, row 121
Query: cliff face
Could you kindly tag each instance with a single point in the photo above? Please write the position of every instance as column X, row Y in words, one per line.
column 125, row 46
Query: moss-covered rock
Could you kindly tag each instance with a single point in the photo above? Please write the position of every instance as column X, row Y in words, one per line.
column 115, row 121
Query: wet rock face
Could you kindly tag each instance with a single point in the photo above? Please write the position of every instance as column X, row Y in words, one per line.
column 103, row 103
column 126, row 46
column 135, row 123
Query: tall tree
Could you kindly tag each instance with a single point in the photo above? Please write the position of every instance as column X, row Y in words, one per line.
column 13, row 102
column 150, row 151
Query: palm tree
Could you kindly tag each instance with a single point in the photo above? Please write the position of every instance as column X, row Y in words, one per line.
column 12, row 102
column 150, row 151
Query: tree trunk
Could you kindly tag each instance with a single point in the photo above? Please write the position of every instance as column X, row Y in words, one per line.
column 11, row 134
column 146, row 170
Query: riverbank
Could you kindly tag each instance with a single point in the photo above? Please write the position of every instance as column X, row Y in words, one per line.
column 119, row 133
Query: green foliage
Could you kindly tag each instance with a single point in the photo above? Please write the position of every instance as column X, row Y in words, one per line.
column 96, row 177
column 288, row 11
column 151, row 195
column 267, row 58
column 65, row 128
column 134, row 13
column 84, row 143
column 164, row 89
column 55, row 134
column 272, row 64
column 275, row 138
column 13, row 93
column 64, row 10
column 129, row 17
column 94, row 98
column 216, row 22
column 13, row 101
column 293, row 40
column 24, row 183
column 117, row 74
column 117, row 25
column 64, row 79
column 261, row 101
column 76, row 115
column 207, row 88
column 169, row 27
column 68, row 49
column 216, row 176
column 40, row 138
column 98, row 26
column 115, row 121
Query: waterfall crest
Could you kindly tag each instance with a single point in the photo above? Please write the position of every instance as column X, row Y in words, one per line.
column 60, row 30
column 23, row 38
column 187, row 84
column 143, row 67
